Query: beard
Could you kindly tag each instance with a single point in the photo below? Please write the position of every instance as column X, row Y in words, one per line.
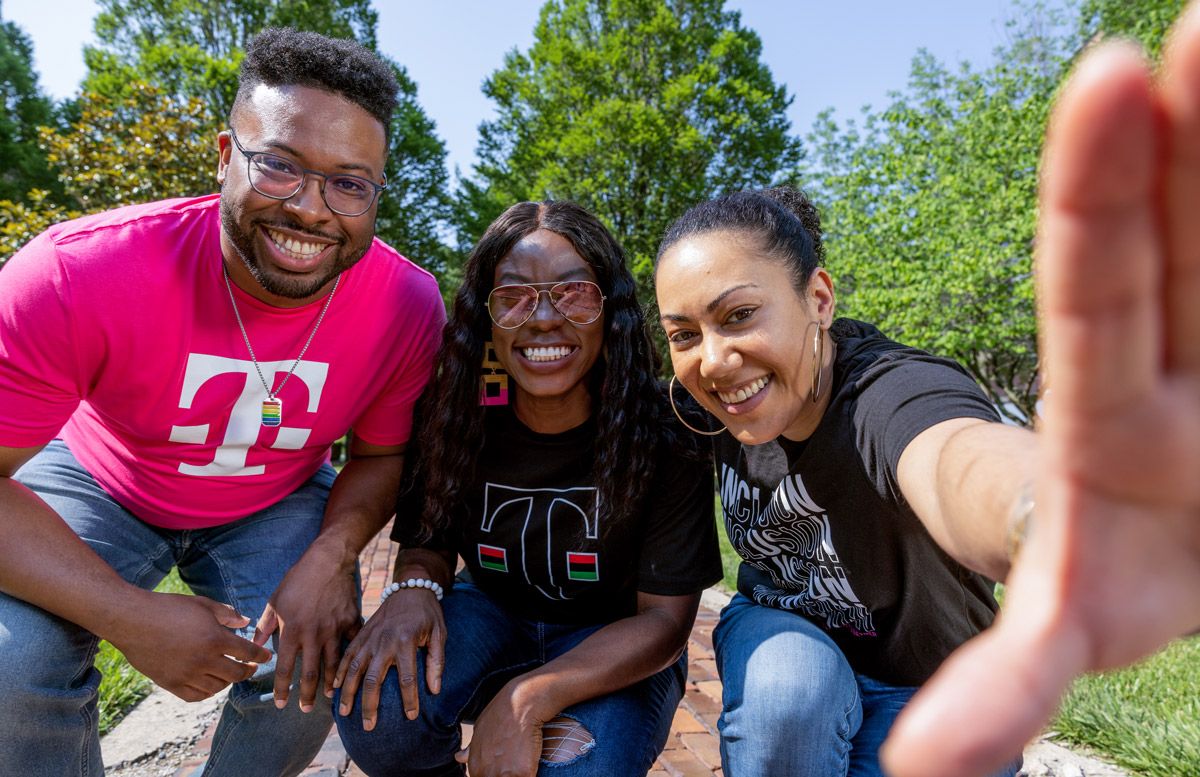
column 282, row 284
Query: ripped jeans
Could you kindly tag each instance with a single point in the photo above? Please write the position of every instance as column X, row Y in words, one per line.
column 486, row 646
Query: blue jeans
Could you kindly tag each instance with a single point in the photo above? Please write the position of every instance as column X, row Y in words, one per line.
column 486, row 646
column 48, row 722
column 793, row 707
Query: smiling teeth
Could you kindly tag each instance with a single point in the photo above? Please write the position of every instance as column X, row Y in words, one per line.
column 546, row 354
column 742, row 394
column 295, row 247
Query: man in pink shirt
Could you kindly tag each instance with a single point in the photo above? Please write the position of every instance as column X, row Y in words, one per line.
column 172, row 377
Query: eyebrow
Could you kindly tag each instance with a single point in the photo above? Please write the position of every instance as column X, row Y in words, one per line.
column 710, row 307
column 275, row 145
column 577, row 274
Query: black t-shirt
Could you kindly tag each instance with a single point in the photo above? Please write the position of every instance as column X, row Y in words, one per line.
column 824, row 530
column 536, row 542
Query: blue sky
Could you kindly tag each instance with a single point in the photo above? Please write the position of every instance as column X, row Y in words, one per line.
column 828, row 54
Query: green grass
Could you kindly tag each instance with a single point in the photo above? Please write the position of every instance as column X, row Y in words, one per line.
column 123, row 686
column 729, row 556
column 1145, row 718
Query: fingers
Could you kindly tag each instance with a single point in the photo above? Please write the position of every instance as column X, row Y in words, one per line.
column 237, row 648
column 372, row 688
column 227, row 616
column 349, row 673
column 285, row 665
column 330, row 666
column 1181, row 103
column 1098, row 248
column 406, row 669
column 435, row 657
column 244, row 651
column 310, row 671
column 994, row 694
column 268, row 622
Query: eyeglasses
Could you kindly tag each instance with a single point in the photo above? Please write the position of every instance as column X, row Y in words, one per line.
column 580, row 302
column 281, row 179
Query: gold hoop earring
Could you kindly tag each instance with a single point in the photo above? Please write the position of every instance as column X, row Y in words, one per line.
column 671, row 398
column 818, row 357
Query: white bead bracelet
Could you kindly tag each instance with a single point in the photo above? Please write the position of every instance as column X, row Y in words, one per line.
column 412, row 582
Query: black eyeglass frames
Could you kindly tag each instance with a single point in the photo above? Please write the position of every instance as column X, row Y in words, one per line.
column 280, row 178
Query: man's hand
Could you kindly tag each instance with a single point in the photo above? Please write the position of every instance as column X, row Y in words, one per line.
column 184, row 644
column 1111, row 571
column 314, row 607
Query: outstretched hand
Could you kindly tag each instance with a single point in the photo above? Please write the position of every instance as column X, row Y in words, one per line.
column 1111, row 571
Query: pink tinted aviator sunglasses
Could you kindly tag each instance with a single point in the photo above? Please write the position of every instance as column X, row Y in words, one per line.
column 580, row 302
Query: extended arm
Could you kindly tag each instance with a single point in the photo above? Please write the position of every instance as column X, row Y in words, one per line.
column 964, row 478
column 183, row 643
column 316, row 605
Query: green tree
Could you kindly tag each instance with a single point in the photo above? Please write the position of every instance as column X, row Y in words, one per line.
column 192, row 48
column 930, row 210
column 144, row 146
column 636, row 109
column 930, row 204
column 147, row 145
column 23, row 108
column 1146, row 21
column 20, row 222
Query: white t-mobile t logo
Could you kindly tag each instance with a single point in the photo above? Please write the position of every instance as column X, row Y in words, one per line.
column 245, row 422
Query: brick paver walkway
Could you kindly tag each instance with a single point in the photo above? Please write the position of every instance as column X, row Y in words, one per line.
column 692, row 748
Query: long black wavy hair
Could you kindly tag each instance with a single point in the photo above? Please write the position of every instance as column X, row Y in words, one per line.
column 628, row 403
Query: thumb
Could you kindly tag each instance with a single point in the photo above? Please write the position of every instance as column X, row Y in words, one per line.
column 989, row 699
column 224, row 614
column 266, row 626
column 462, row 756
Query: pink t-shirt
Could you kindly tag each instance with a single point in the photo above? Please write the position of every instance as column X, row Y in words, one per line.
column 117, row 329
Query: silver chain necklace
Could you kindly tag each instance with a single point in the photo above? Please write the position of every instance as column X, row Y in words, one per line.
column 272, row 406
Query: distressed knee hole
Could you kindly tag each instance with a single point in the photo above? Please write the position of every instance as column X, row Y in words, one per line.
column 565, row 739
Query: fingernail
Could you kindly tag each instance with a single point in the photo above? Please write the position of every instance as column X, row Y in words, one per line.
column 306, row 708
column 344, row 709
column 280, row 703
column 410, row 714
column 368, row 724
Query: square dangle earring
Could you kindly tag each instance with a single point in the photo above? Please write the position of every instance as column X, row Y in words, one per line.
column 493, row 387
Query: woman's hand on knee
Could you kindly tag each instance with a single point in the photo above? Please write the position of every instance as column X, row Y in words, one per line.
column 410, row 619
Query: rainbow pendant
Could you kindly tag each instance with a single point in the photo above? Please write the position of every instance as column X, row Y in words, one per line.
column 272, row 412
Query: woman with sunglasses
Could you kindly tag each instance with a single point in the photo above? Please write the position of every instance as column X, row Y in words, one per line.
column 550, row 462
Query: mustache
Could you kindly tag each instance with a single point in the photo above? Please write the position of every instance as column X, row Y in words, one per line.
column 285, row 224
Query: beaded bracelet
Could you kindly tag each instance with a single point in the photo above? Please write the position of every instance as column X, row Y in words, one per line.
column 412, row 582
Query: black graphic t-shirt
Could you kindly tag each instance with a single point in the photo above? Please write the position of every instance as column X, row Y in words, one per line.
column 824, row 530
column 536, row 542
